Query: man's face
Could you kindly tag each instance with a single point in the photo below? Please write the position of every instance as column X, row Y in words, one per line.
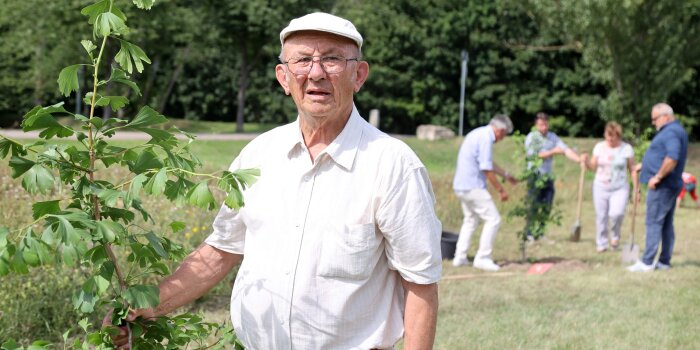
column 500, row 134
column 319, row 94
column 542, row 126
column 658, row 119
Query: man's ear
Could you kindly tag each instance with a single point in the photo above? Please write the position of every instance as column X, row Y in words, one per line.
column 361, row 75
column 282, row 78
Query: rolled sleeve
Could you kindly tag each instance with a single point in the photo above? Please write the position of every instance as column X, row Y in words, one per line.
column 485, row 155
column 673, row 147
column 228, row 227
column 229, row 231
column 412, row 230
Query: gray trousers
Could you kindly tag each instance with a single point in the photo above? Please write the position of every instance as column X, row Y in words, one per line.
column 609, row 209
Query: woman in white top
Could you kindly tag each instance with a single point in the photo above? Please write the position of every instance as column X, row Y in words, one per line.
column 612, row 159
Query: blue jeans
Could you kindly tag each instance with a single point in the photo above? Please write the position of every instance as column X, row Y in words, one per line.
column 661, row 205
column 542, row 199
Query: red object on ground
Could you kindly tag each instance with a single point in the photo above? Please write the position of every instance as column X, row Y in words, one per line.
column 539, row 268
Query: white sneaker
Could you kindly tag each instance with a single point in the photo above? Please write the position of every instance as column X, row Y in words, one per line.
column 456, row 262
column 486, row 264
column 639, row 266
column 662, row 266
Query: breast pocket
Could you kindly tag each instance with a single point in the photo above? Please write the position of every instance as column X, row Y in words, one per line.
column 349, row 252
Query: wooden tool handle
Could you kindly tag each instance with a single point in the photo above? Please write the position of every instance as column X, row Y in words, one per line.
column 580, row 194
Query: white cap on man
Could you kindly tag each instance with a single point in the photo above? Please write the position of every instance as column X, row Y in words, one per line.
column 323, row 22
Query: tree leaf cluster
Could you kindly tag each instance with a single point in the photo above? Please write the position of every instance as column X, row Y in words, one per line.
column 94, row 227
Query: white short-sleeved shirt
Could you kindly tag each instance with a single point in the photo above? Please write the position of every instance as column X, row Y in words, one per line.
column 475, row 156
column 535, row 143
column 325, row 244
column 612, row 164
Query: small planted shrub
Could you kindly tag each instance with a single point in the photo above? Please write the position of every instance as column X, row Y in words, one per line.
column 91, row 224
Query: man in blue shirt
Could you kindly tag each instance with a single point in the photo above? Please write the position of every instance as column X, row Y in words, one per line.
column 475, row 165
column 662, row 169
column 544, row 144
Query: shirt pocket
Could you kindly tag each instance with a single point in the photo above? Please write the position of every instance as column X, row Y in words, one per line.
column 348, row 251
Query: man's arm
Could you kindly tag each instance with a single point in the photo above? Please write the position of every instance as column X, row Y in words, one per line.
column 491, row 176
column 572, row 155
column 666, row 167
column 506, row 175
column 198, row 273
column 420, row 315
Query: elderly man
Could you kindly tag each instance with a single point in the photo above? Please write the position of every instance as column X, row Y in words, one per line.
column 339, row 241
column 475, row 165
column 545, row 145
column 662, row 169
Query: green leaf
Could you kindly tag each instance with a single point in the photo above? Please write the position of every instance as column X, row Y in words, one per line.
column 68, row 79
column 176, row 226
column 20, row 166
column 41, row 118
column 147, row 116
column 128, row 53
column 12, row 148
column 201, row 196
column 142, row 296
column 37, row 178
column 246, row 177
column 156, row 184
column 234, row 200
column 94, row 10
column 109, row 196
column 147, row 160
column 119, row 76
column 156, row 244
column 110, row 230
column 144, row 4
column 134, row 189
column 40, row 209
column 11, row 345
column 84, row 300
column 4, row 232
column 89, row 46
column 108, row 23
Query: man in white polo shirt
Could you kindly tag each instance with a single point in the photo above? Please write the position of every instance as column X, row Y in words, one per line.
column 339, row 241
column 475, row 165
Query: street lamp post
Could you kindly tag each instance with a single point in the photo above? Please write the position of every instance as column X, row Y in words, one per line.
column 465, row 60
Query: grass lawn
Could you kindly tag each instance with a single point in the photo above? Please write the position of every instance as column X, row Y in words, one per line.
column 586, row 301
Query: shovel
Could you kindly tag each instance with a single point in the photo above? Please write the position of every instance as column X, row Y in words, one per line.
column 630, row 251
column 576, row 229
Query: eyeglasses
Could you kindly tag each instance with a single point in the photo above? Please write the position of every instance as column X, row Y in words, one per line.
column 653, row 119
column 329, row 64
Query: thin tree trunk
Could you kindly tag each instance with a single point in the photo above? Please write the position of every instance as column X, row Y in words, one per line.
column 173, row 79
column 243, row 81
column 155, row 67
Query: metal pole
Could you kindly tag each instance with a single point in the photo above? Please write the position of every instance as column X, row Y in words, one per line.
column 463, row 81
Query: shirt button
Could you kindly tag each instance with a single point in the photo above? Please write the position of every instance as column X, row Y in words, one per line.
column 307, row 178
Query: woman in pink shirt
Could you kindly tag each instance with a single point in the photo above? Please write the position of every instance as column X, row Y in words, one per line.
column 612, row 159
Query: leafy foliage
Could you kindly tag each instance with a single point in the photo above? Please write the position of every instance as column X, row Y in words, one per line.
column 84, row 230
column 538, row 215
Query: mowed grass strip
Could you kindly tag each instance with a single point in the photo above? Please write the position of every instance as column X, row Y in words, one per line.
column 586, row 301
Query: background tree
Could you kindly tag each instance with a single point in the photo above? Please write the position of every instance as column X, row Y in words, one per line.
column 642, row 50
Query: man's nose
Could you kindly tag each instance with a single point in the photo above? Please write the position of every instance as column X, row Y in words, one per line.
column 316, row 71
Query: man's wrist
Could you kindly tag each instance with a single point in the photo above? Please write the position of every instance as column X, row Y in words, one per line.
column 658, row 177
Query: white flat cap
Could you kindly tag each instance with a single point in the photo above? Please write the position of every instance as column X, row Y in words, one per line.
column 323, row 22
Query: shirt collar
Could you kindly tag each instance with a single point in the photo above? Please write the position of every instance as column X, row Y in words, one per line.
column 492, row 133
column 342, row 150
column 669, row 123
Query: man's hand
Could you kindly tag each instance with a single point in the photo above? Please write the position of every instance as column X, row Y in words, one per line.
column 510, row 178
column 503, row 195
column 654, row 181
column 122, row 339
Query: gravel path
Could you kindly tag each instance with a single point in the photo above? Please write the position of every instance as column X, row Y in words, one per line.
column 130, row 135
